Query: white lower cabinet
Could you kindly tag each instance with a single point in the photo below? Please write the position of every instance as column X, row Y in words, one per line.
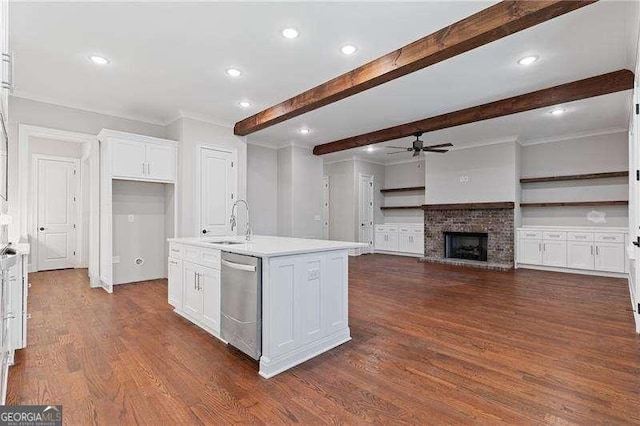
column 194, row 288
column 580, row 255
column 610, row 257
column 595, row 250
column 400, row 238
column 530, row 251
column 175, row 283
column 554, row 253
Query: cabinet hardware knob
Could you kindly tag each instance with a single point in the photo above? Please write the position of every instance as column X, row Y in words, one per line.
column 204, row 231
column 42, row 228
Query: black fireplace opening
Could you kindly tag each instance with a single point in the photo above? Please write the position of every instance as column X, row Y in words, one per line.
column 466, row 245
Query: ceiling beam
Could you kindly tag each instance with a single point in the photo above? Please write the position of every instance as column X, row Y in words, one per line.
column 493, row 23
column 582, row 89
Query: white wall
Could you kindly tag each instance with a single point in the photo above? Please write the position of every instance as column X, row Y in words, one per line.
column 24, row 111
column 145, row 237
column 299, row 193
column 262, row 189
column 192, row 133
column 593, row 154
column 404, row 175
column 478, row 174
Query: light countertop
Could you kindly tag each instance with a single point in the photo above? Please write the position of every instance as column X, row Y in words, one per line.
column 267, row 246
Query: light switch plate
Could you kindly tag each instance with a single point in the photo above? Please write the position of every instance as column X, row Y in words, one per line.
column 317, row 217
column 131, row 218
column 116, row 259
column 314, row 274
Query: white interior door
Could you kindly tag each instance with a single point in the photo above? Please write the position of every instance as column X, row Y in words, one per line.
column 366, row 212
column 325, row 207
column 216, row 179
column 57, row 212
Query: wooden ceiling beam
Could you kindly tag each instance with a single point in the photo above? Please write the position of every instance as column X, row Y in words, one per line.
column 595, row 86
column 493, row 23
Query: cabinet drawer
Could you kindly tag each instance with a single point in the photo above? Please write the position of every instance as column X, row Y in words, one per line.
column 531, row 235
column 175, row 250
column 380, row 228
column 554, row 235
column 579, row 236
column 202, row 256
column 392, row 229
column 418, row 231
column 609, row 237
column 403, row 230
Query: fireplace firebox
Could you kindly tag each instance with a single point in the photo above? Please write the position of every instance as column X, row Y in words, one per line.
column 466, row 246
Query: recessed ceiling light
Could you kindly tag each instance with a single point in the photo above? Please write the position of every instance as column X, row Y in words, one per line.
column 527, row 60
column 100, row 60
column 244, row 104
column 348, row 49
column 370, row 149
column 290, row 33
column 233, row 72
column 304, row 131
column 558, row 111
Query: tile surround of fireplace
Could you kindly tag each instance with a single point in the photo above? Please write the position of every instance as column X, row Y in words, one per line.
column 496, row 220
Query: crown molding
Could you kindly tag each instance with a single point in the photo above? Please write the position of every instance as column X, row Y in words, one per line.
column 204, row 118
column 130, row 117
column 576, row 135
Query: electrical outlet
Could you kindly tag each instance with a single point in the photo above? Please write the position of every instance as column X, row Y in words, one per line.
column 131, row 218
column 314, row 274
column 317, row 217
column 116, row 259
column 464, row 179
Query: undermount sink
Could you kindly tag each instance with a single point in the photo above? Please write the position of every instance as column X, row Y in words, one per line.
column 226, row 243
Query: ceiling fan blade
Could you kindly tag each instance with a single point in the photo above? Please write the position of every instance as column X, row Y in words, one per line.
column 398, row 147
column 397, row 152
column 441, row 151
column 441, row 145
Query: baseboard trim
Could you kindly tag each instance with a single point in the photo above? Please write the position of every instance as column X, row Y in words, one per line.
column 574, row 271
column 273, row 367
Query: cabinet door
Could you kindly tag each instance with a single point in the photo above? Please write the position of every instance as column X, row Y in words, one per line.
column 580, row 255
column 393, row 241
column 417, row 243
column 609, row 257
column 161, row 162
column 175, row 283
column 128, row 159
column 210, row 289
column 191, row 295
column 380, row 240
column 530, row 252
column 404, row 242
column 554, row 253
column 6, row 65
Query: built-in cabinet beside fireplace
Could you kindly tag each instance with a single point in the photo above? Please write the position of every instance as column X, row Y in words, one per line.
column 599, row 251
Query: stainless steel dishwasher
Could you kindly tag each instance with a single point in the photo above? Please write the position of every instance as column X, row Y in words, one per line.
column 241, row 296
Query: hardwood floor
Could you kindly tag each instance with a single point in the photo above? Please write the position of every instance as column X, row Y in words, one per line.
column 431, row 344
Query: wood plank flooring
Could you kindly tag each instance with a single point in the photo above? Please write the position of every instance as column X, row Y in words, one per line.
column 432, row 344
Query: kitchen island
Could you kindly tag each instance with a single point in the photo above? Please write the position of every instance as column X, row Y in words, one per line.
column 304, row 292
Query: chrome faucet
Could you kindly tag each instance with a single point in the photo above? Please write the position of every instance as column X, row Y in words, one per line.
column 249, row 232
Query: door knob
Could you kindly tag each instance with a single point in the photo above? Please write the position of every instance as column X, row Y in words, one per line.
column 204, row 231
column 41, row 228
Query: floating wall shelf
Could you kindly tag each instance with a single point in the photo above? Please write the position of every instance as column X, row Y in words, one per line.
column 409, row 188
column 575, row 177
column 577, row 204
column 400, row 207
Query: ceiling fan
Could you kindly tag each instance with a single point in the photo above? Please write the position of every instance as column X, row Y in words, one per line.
column 418, row 147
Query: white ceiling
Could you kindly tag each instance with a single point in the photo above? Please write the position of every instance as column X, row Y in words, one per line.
column 168, row 59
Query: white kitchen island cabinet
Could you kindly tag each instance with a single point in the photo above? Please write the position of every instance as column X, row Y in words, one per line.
column 304, row 293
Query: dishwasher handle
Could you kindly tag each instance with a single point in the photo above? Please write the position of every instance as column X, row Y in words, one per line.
column 239, row 266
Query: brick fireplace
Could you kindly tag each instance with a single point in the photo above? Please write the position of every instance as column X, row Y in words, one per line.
column 495, row 220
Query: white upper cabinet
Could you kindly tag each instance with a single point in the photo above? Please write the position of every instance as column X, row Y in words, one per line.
column 136, row 157
column 128, row 159
column 161, row 162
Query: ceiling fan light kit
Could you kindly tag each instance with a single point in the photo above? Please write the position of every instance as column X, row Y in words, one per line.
column 418, row 147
